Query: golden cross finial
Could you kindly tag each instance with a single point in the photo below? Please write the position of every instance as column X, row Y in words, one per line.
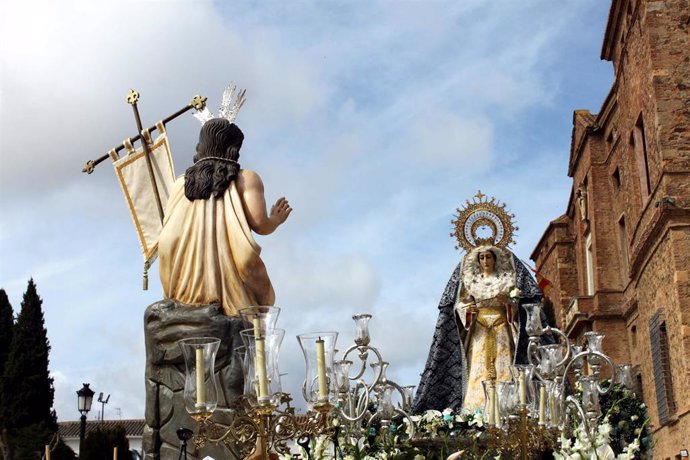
column 199, row 102
column 480, row 195
column 132, row 97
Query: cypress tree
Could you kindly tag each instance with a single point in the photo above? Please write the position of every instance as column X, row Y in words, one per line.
column 6, row 334
column 29, row 416
column 6, row 329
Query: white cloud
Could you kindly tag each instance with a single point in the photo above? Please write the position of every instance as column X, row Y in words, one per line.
column 444, row 139
column 376, row 122
column 308, row 279
column 64, row 86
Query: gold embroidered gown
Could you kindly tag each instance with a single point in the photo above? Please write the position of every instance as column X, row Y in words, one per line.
column 488, row 336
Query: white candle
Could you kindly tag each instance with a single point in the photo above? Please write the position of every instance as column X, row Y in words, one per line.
column 115, row 453
column 523, row 387
column 497, row 412
column 552, row 407
column 321, row 369
column 542, row 404
column 491, row 404
column 47, row 452
column 200, row 387
column 260, row 362
column 261, row 366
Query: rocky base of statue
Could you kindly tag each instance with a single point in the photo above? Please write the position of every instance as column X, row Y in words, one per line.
column 166, row 322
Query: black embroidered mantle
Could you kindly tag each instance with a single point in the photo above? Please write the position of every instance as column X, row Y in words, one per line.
column 442, row 381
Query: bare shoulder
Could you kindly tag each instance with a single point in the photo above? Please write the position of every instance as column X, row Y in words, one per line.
column 248, row 180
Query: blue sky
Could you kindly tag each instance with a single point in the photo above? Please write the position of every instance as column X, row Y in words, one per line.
column 375, row 119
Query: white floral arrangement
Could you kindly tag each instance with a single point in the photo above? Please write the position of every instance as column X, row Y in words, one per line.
column 583, row 448
column 515, row 294
column 322, row 448
column 432, row 423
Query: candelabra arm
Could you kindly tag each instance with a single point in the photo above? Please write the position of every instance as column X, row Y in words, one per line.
column 363, row 355
column 363, row 352
column 565, row 339
column 533, row 341
column 602, row 390
column 573, row 402
column 380, row 368
column 585, row 354
column 397, row 387
column 410, row 422
column 244, row 426
column 577, row 357
column 362, row 403
column 530, row 350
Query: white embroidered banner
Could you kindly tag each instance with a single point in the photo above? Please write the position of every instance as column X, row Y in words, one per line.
column 133, row 175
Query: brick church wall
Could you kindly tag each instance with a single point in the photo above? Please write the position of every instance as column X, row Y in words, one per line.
column 630, row 166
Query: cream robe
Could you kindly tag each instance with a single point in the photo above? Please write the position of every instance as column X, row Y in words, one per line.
column 208, row 254
column 484, row 289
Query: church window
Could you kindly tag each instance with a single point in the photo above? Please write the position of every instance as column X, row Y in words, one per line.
column 589, row 260
column 663, row 382
column 633, row 337
column 639, row 144
column 616, row 178
column 623, row 241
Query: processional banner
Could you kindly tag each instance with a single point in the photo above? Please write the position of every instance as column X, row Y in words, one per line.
column 135, row 179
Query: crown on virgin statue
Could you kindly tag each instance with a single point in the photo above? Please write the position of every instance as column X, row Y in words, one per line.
column 483, row 214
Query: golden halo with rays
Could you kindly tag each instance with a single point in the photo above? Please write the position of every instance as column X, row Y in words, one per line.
column 482, row 213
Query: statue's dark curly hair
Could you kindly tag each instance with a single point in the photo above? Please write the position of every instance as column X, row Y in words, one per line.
column 215, row 164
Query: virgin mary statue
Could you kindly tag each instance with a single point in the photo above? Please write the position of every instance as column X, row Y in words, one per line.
column 480, row 328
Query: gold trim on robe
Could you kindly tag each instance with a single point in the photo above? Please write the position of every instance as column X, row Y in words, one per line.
column 491, row 348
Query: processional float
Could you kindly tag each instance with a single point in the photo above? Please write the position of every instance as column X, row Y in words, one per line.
column 525, row 415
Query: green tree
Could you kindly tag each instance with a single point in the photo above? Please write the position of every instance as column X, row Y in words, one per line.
column 28, row 442
column 99, row 444
column 27, row 388
column 6, row 329
column 62, row 452
column 6, row 334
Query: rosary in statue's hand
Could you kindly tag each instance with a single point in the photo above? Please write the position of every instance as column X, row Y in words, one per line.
column 280, row 210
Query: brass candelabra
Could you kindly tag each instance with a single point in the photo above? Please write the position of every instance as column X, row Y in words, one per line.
column 262, row 422
column 261, row 431
column 525, row 416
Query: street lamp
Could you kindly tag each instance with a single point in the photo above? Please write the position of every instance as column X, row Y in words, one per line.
column 84, row 399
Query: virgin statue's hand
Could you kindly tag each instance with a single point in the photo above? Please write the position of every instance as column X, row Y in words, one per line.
column 472, row 310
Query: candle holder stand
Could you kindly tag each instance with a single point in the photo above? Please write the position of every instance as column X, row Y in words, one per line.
column 263, row 421
column 522, row 438
column 263, row 431
column 526, row 415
